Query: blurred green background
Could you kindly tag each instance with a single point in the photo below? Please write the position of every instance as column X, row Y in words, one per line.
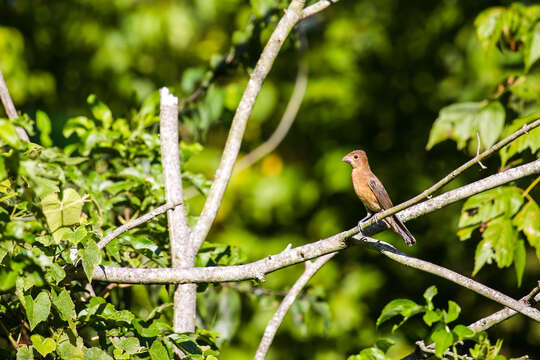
column 379, row 72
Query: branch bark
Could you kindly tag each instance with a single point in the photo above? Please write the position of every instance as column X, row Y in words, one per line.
column 317, row 7
column 257, row 269
column 134, row 223
column 391, row 252
column 182, row 254
column 10, row 108
column 286, row 303
column 292, row 16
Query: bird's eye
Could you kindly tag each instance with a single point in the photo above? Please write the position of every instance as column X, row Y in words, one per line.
column 356, row 156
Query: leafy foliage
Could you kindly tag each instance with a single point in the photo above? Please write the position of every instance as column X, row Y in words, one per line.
column 447, row 340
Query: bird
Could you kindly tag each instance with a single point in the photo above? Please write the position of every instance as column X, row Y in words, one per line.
column 372, row 193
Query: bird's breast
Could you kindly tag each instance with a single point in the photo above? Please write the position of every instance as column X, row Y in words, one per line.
column 364, row 192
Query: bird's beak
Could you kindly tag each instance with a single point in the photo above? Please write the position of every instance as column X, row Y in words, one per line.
column 346, row 159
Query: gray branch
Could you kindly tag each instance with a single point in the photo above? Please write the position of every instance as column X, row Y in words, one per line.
column 317, row 7
column 10, row 108
column 257, row 269
column 391, row 252
column 134, row 223
column 291, row 17
column 286, row 303
column 182, row 254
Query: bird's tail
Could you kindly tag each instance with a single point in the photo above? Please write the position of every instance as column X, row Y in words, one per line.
column 398, row 226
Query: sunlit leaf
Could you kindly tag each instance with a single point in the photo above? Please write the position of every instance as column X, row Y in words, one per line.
column 43, row 123
column 43, row 345
column 100, row 111
column 442, row 339
column 528, row 221
column 532, row 50
column 38, row 309
column 404, row 307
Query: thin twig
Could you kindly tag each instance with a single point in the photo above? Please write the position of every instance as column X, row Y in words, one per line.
column 277, row 319
column 291, row 17
column 504, row 314
column 306, row 252
column 317, row 7
column 10, row 108
column 134, row 223
column 425, row 194
column 479, row 288
column 286, row 120
column 478, row 151
column 182, row 254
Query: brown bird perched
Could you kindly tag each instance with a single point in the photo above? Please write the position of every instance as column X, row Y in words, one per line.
column 372, row 193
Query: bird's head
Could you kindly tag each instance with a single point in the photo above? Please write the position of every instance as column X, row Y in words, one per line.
column 357, row 159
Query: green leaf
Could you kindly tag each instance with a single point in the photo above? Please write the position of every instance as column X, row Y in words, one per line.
column 62, row 213
column 532, row 49
column 68, row 351
column 429, row 294
column 95, row 353
column 490, row 123
column 432, row 316
column 453, row 312
column 456, row 122
column 489, row 25
column 38, row 309
column 131, row 345
column 51, row 207
column 25, row 352
column 461, row 121
column 527, row 141
column 91, row 257
column 43, row 345
column 483, row 254
column 100, row 111
column 43, row 124
column 502, row 236
column 64, row 305
column 520, row 255
column 404, row 307
column 372, row 353
column 8, row 134
column 158, row 351
column 72, row 204
column 384, row 344
column 463, row 332
column 528, row 221
column 442, row 339
column 503, row 200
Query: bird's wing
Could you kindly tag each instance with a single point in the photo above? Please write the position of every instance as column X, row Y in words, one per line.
column 380, row 193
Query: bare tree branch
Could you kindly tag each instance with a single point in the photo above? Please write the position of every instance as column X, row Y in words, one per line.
column 134, row 223
column 286, row 303
column 257, row 269
column 427, row 193
column 10, row 107
column 391, row 252
column 182, row 254
column 496, row 318
column 262, row 68
column 286, row 120
column 317, row 7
